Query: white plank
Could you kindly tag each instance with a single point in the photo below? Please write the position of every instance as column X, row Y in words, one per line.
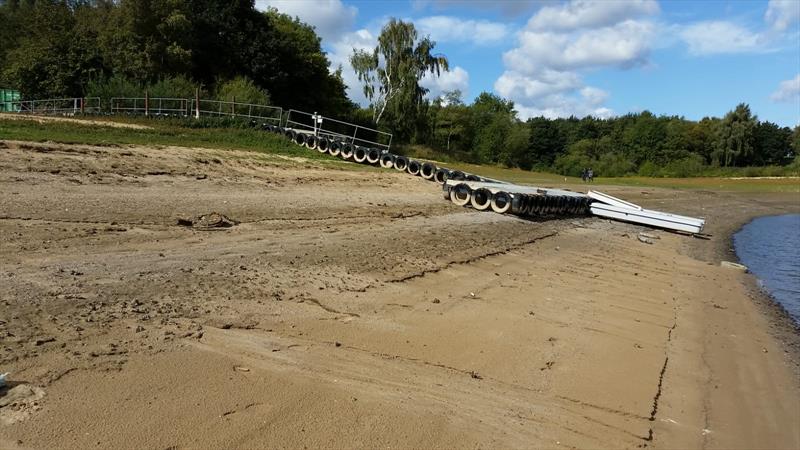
column 514, row 188
column 648, row 217
column 605, row 198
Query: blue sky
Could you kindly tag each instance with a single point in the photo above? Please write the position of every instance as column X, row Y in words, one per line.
column 581, row 57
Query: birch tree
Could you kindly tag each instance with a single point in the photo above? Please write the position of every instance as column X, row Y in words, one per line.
column 391, row 73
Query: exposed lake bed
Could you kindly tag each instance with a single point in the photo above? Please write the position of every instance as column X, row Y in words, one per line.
column 290, row 327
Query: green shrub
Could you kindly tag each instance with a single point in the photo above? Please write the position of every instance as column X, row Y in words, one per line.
column 120, row 86
column 690, row 166
column 173, row 87
column 243, row 90
column 114, row 86
column 649, row 169
column 613, row 165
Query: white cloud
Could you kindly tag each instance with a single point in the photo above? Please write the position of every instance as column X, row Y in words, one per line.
column 530, row 88
column 543, row 73
column 509, row 8
column 580, row 14
column 456, row 78
column 715, row 37
column 782, row 13
column 339, row 55
column 594, row 96
column 331, row 18
column 552, row 95
column 559, row 105
column 788, row 91
column 453, row 29
column 623, row 44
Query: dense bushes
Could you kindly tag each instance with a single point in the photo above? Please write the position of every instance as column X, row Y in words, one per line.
column 120, row 86
column 243, row 90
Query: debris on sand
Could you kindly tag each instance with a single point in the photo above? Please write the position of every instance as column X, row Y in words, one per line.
column 733, row 265
column 3, row 380
column 208, row 221
column 19, row 402
column 645, row 240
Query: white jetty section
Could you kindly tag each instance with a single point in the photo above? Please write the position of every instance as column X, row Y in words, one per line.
column 495, row 186
column 536, row 201
column 613, row 201
column 614, row 208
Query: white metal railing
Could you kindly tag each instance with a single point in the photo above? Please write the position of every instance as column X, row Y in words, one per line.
column 155, row 106
column 58, row 106
column 235, row 109
column 184, row 107
column 332, row 128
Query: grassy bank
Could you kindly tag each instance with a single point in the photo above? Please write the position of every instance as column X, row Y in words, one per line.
column 705, row 183
column 208, row 135
column 150, row 132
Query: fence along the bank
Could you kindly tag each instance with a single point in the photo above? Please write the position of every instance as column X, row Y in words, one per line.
column 58, row 106
column 300, row 121
column 334, row 129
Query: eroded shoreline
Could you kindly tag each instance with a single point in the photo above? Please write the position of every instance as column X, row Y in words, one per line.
column 383, row 317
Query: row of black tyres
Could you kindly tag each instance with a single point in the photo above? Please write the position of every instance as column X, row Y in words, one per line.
column 373, row 156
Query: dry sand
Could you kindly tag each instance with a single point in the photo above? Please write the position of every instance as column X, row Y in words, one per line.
column 359, row 309
column 75, row 121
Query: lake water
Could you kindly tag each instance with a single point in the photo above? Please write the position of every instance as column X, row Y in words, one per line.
column 770, row 248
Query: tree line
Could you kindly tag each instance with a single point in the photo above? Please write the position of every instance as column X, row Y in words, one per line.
column 488, row 131
column 228, row 48
column 65, row 48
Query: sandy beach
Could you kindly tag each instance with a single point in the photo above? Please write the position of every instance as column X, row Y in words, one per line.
column 351, row 307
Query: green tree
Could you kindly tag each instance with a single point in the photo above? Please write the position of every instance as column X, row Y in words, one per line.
column 391, row 73
column 450, row 120
column 546, row 142
column 145, row 40
column 772, row 144
column 52, row 58
column 702, row 138
column 735, row 136
column 243, row 90
column 300, row 76
column 492, row 119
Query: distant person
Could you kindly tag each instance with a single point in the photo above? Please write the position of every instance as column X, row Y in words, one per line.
column 584, row 174
column 590, row 175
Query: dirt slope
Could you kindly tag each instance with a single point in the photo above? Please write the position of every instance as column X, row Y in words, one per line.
column 357, row 308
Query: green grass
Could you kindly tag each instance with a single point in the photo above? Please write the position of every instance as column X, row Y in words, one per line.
column 159, row 133
column 699, row 183
column 207, row 135
column 711, row 183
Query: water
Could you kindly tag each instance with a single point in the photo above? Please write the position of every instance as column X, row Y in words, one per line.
column 770, row 248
